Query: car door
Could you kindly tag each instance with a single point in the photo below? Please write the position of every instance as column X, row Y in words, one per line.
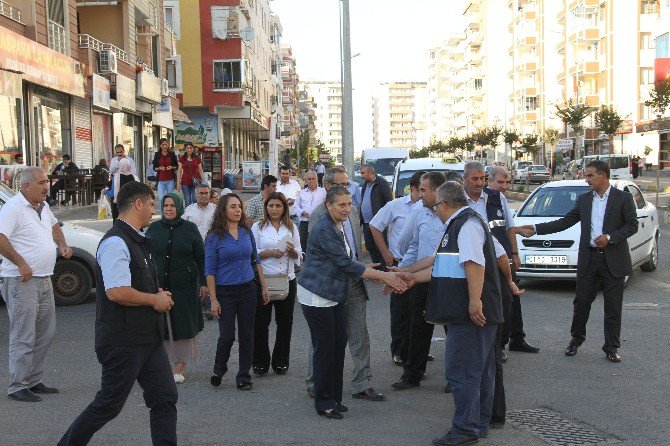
column 639, row 243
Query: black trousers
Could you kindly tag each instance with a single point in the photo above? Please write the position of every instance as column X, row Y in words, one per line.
column 59, row 186
column 371, row 246
column 400, row 310
column 328, row 329
column 319, row 177
column 284, row 321
column 499, row 407
column 303, row 231
column 587, row 287
column 513, row 326
column 420, row 335
column 122, row 365
column 237, row 302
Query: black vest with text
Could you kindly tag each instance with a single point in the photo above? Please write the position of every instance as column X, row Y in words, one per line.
column 125, row 325
column 495, row 213
column 449, row 281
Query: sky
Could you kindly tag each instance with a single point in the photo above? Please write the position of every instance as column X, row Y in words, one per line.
column 392, row 36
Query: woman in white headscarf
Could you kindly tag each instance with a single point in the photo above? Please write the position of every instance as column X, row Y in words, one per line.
column 122, row 176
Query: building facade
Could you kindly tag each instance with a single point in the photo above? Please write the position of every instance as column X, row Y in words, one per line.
column 327, row 100
column 400, row 115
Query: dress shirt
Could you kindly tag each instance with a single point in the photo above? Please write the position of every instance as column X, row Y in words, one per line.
column 408, row 229
column 113, row 257
column 471, row 239
column 349, row 239
column 320, row 168
column 366, row 205
column 309, row 200
column 229, row 260
column 267, row 238
column 394, row 214
column 114, row 165
column 202, row 217
column 306, row 297
column 290, row 191
column 355, row 192
column 598, row 214
column 479, row 207
column 428, row 231
column 30, row 233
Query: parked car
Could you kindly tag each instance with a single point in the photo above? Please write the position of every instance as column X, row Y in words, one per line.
column 516, row 166
column 554, row 256
column 621, row 166
column 534, row 174
column 573, row 171
column 406, row 168
column 73, row 278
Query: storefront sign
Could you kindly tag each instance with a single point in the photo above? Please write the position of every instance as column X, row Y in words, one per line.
column 652, row 126
column 626, row 127
column 148, row 87
column 662, row 69
column 162, row 115
column 10, row 85
column 125, row 92
column 40, row 64
column 251, row 174
column 564, row 144
column 203, row 131
column 101, row 92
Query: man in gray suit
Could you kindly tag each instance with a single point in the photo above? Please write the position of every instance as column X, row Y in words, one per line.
column 359, row 339
column 607, row 216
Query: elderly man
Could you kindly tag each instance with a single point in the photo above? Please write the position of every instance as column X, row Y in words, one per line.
column 120, row 152
column 202, row 211
column 308, row 199
column 290, row 188
column 375, row 193
column 465, row 277
column 29, row 236
column 359, row 338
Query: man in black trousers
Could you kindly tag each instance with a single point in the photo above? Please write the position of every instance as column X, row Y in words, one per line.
column 375, row 193
column 608, row 218
column 129, row 326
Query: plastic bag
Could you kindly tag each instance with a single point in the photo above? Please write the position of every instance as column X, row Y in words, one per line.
column 104, row 208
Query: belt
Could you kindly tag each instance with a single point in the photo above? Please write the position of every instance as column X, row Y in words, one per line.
column 596, row 250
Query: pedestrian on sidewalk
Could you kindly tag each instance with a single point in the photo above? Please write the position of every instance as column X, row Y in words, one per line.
column 290, row 188
column 124, row 175
column 189, row 174
column 129, row 326
column 165, row 164
column 255, row 204
column 30, row 237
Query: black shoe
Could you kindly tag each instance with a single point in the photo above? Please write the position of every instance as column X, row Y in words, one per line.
column 522, row 346
column 450, row 439
column 497, row 423
column 281, row 370
column 430, row 358
column 368, row 394
column 447, row 388
column 397, row 360
column 41, row 388
column 245, row 386
column 341, row 407
column 334, row 414
column 24, row 395
column 215, row 380
column 503, row 356
column 310, row 392
column 404, row 384
column 613, row 356
column 571, row 349
column 260, row 371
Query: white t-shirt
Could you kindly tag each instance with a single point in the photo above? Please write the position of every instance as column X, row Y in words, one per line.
column 201, row 217
column 30, row 234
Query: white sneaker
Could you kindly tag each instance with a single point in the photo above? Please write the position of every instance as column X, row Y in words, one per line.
column 179, row 378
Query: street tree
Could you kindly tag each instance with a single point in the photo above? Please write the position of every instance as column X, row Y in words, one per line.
column 510, row 137
column 573, row 114
column 608, row 121
column 551, row 138
column 659, row 102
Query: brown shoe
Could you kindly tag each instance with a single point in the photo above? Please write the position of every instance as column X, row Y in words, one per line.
column 369, row 394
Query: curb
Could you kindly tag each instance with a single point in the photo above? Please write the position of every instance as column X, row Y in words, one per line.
column 652, row 188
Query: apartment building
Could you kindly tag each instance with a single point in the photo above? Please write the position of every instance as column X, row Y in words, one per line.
column 327, row 100
column 290, row 97
column 650, row 129
column 79, row 77
column 400, row 114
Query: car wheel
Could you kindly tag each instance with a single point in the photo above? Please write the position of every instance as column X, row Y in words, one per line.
column 652, row 263
column 72, row 282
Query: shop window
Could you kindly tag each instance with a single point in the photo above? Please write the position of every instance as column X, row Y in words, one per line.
column 11, row 129
column 51, row 126
column 228, row 75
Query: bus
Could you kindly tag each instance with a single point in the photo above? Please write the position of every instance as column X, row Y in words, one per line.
column 384, row 160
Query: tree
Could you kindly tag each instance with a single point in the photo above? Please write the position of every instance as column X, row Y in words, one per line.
column 423, row 152
column 608, row 121
column 659, row 101
column 529, row 144
column 573, row 114
column 551, row 138
column 510, row 137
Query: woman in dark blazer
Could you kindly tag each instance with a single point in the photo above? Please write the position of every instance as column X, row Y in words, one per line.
column 180, row 260
column 323, row 289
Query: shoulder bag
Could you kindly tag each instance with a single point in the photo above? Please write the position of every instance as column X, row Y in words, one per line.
column 277, row 283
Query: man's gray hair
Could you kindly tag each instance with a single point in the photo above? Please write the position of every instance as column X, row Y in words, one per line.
column 472, row 166
column 310, row 172
column 498, row 170
column 334, row 192
column 452, row 194
column 369, row 168
column 329, row 177
column 29, row 175
column 203, row 185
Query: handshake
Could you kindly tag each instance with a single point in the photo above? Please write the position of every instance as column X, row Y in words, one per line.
column 525, row 231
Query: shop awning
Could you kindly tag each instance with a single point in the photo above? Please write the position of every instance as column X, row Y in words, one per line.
column 180, row 116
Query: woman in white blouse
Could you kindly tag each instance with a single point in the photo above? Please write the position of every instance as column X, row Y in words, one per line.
column 268, row 233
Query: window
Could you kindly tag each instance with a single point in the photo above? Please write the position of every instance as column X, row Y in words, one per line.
column 171, row 13
column 530, row 103
column 646, row 76
column 662, row 46
column 648, row 6
column 478, row 84
column 228, row 75
column 171, row 73
column 646, row 42
column 645, row 112
column 637, row 196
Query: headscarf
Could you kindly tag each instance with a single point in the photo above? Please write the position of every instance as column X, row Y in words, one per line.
column 125, row 168
column 179, row 204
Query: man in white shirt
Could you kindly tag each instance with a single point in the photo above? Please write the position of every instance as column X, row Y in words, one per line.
column 308, row 199
column 290, row 188
column 120, row 152
column 320, row 172
column 29, row 236
column 202, row 211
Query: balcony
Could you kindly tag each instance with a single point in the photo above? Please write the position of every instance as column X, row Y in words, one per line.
column 523, row 66
column 10, row 11
column 228, row 85
column 57, row 37
column 585, row 69
column 587, row 33
column 525, row 41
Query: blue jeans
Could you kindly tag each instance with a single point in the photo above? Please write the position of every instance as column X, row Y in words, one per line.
column 189, row 194
column 164, row 188
column 469, row 366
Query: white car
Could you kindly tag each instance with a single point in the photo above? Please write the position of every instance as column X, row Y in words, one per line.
column 554, row 256
column 73, row 278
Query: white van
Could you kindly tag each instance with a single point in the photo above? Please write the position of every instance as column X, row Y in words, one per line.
column 406, row 168
column 621, row 167
column 384, row 160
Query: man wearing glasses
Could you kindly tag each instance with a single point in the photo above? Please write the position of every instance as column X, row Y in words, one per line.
column 120, row 152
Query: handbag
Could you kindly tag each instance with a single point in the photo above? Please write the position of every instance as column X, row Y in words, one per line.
column 277, row 283
column 195, row 182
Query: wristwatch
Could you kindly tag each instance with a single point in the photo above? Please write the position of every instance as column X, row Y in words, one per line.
column 607, row 236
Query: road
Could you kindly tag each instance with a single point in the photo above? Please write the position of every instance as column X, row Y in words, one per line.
column 626, row 400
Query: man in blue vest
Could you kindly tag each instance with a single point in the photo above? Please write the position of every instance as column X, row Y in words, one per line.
column 129, row 326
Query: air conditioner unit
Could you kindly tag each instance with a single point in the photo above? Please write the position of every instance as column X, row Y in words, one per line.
column 108, row 63
column 165, row 87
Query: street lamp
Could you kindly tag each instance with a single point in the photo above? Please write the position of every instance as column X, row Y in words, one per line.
column 347, row 121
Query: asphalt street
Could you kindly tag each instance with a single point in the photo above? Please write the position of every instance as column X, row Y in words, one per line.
column 624, row 403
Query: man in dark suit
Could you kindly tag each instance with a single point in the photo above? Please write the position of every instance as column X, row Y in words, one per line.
column 608, row 218
column 375, row 193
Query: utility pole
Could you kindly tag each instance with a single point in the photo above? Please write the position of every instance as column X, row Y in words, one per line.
column 347, row 100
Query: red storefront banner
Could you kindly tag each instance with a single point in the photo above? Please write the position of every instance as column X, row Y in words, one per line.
column 662, row 69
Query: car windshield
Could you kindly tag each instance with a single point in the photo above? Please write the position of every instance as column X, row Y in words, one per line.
column 552, row 201
column 538, row 169
column 523, row 164
column 617, row 162
column 402, row 184
column 384, row 166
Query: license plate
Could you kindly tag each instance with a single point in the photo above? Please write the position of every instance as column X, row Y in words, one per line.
column 547, row 260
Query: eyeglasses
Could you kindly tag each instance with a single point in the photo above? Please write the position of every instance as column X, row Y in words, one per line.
column 437, row 204
column 203, row 193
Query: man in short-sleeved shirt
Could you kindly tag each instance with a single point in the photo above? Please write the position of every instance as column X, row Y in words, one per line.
column 202, row 211
column 254, row 210
column 29, row 239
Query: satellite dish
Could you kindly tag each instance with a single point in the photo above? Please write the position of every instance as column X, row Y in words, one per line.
column 247, row 34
